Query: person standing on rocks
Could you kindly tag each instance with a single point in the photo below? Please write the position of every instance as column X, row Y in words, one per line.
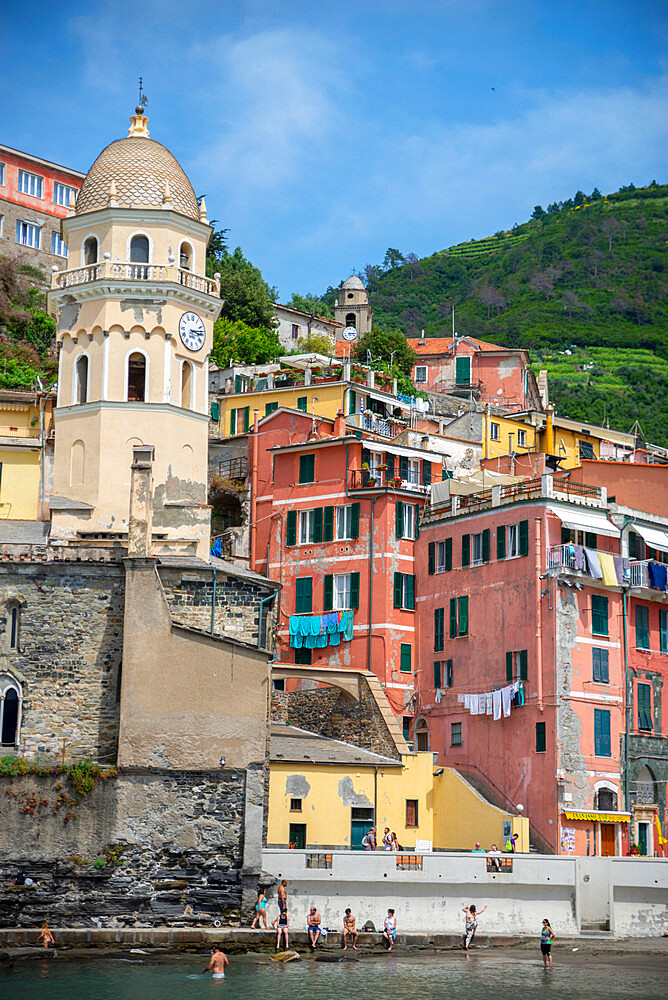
column 471, row 916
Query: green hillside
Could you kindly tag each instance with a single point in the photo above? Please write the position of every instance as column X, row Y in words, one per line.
column 590, row 273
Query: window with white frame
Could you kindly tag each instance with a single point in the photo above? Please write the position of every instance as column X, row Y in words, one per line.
column 305, row 526
column 521, row 439
column 2, row 174
column 494, row 431
column 344, row 522
column 61, row 194
column 10, row 702
column 476, row 549
column 341, row 591
column 58, row 245
column 512, row 540
column 420, row 373
column 295, row 331
column 409, row 520
column 1, row 224
column 442, row 556
column 413, row 472
column 31, row 184
column 28, row 234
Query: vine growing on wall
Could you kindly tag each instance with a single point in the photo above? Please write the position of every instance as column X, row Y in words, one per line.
column 82, row 775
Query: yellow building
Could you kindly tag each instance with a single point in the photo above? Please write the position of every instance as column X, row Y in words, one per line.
column 25, row 426
column 502, row 435
column 572, row 440
column 327, row 794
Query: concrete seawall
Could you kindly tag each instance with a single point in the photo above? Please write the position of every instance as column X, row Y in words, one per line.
column 627, row 895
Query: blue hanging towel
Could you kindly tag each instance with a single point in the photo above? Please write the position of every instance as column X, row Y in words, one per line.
column 217, row 549
column 348, row 626
column 335, row 639
column 657, row 575
column 321, row 640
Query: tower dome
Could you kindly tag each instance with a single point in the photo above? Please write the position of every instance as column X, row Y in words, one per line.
column 139, row 167
column 353, row 282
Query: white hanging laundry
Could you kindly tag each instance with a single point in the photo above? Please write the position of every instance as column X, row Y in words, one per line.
column 460, row 698
column 439, row 695
column 506, row 699
column 496, row 704
column 488, row 699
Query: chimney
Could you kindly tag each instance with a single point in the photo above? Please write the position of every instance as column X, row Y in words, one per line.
column 422, row 336
column 542, row 387
column 339, row 424
column 141, row 502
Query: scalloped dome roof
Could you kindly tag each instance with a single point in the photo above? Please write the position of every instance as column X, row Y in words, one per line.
column 139, row 167
column 353, row 282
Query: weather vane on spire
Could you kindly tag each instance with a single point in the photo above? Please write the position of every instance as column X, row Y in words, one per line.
column 143, row 99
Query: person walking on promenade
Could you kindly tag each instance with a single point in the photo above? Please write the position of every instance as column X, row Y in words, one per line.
column 45, row 936
column 387, row 839
column 390, row 929
column 369, row 840
column 471, row 916
column 260, row 911
column 313, row 925
column 395, row 843
column 349, row 928
column 282, row 931
column 511, row 844
column 547, row 936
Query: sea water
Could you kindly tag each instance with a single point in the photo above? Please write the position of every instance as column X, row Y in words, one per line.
column 442, row 977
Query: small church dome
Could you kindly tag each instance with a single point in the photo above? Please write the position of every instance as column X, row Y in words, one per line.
column 354, row 282
column 139, row 167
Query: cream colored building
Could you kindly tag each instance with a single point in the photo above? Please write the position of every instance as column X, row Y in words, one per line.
column 135, row 317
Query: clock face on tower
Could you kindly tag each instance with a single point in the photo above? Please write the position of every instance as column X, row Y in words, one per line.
column 191, row 331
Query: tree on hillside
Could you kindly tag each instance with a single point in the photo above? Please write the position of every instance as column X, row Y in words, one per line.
column 492, row 298
column 311, row 304
column 538, row 212
column 412, row 262
column 610, row 227
column 234, row 340
column 392, row 258
column 388, row 346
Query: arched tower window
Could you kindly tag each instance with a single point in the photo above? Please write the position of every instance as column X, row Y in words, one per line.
column 90, row 250
column 136, row 378
column 81, row 379
column 139, row 250
column 186, row 257
column 10, row 700
column 13, row 625
column 186, row 384
column 351, row 319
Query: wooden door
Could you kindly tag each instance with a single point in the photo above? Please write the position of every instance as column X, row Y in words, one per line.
column 607, row 840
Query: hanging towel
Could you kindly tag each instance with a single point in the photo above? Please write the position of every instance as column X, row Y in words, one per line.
column 439, row 695
column 657, row 575
column 331, row 622
column 313, row 624
column 520, row 693
column 460, row 698
column 496, row 704
column 506, row 698
column 579, row 557
column 335, row 639
column 217, row 549
column 321, row 640
column 608, row 569
column 594, row 564
column 621, row 569
column 488, row 699
column 348, row 627
column 296, row 641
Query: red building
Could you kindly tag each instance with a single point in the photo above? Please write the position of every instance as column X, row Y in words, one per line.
column 336, row 520
column 34, row 197
column 546, row 589
column 468, row 367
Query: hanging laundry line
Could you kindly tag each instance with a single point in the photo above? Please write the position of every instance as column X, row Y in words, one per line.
column 497, row 703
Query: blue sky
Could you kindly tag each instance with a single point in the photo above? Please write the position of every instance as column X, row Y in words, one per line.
column 323, row 133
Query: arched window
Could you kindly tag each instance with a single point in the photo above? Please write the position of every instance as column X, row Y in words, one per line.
column 139, row 250
column 81, row 379
column 136, row 378
column 90, row 250
column 186, row 256
column 13, row 625
column 351, row 319
column 350, row 295
column 606, row 800
column 10, row 700
column 645, row 787
column 421, row 735
column 186, row 385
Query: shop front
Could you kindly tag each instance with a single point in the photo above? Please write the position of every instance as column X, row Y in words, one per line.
column 592, row 832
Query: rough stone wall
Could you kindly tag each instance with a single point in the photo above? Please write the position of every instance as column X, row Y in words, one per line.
column 183, row 840
column 653, row 752
column 68, row 657
column 237, row 613
column 331, row 712
column 569, row 726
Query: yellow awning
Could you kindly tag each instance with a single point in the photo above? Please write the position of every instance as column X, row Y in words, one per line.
column 600, row 816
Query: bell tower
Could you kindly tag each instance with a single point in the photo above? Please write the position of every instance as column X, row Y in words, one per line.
column 352, row 308
column 135, row 315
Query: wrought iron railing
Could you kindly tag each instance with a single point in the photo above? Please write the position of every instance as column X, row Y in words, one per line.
column 639, row 573
column 233, row 468
column 373, row 479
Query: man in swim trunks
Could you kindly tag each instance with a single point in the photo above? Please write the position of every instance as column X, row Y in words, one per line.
column 218, row 962
column 313, row 923
column 349, row 928
column 282, row 900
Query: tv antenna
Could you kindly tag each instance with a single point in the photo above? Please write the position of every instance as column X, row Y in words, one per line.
column 143, row 99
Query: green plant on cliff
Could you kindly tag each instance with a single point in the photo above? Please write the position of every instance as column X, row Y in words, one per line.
column 82, row 775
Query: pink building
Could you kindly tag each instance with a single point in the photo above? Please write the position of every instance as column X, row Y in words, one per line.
column 539, row 592
column 467, row 367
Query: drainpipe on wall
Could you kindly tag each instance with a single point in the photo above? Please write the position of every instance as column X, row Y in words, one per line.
column 253, row 529
column 373, row 502
column 539, row 623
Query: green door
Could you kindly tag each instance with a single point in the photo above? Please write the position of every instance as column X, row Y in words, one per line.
column 463, row 371
column 298, row 836
column 358, row 829
column 642, row 838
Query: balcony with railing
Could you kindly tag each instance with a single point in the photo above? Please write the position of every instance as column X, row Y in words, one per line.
column 541, row 487
column 382, row 479
column 233, row 468
column 19, row 432
column 375, row 424
column 113, row 270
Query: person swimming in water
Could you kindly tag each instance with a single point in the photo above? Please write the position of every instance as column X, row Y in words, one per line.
column 218, row 963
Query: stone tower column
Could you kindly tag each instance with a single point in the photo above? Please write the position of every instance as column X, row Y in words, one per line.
column 140, row 526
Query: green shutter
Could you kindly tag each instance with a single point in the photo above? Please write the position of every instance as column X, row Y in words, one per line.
column 269, row 408
column 410, row 592
column 509, row 667
column 246, row 418
column 328, row 525
column 406, row 664
column 403, row 467
column 642, row 627
column 540, row 737
column 302, row 403
column 590, row 539
column 663, row 630
column 354, row 591
column 501, row 542
column 439, row 629
column 397, row 590
column 524, row 538
column 601, row 732
column 237, row 383
column 417, row 520
column 448, row 673
column 463, row 371
column 399, row 519
column 355, row 521
column 600, row 665
column 291, row 535
column 215, row 411
column 431, row 558
column 304, row 595
column 453, row 617
column 523, row 664
column 485, row 545
column 463, row 610
column 448, row 553
column 426, row 473
column 351, row 401
column 389, row 461
column 233, row 422
column 599, row 614
column 437, row 673
column 466, row 550
column 328, row 596
column 317, row 524
column 306, row 468
column 645, row 707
